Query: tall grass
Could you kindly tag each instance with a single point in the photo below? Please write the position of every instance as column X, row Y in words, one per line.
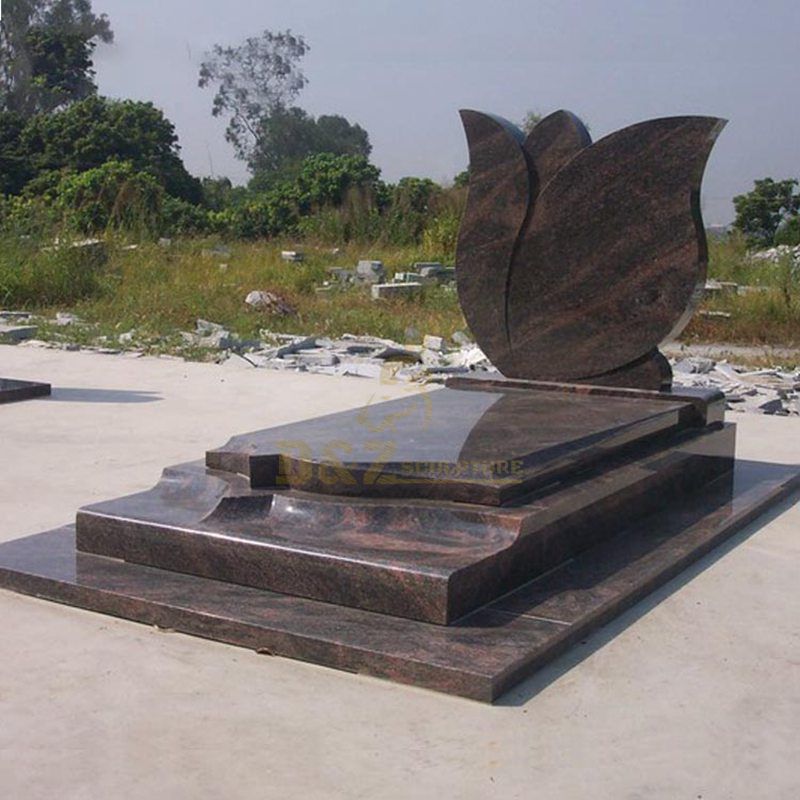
column 767, row 309
column 35, row 276
column 160, row 291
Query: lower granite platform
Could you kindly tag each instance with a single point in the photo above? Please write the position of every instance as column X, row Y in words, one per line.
column 12, row 391
column 479, row 656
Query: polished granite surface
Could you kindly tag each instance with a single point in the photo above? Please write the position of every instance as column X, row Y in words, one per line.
column 433, row 561
column 483, row 447
column 576, row 260
column 12, row 391
column 480, row 656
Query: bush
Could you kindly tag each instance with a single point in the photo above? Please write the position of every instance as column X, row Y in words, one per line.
column 113, row 196
column 179, row 218
column 788, row 232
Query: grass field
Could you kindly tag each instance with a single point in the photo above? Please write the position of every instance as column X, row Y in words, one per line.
column 159, row 291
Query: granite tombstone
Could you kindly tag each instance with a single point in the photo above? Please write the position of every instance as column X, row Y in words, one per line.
column 459, row 539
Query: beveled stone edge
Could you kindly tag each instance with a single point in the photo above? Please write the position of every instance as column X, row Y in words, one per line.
column 471, row 684
column 24, row 390
column 708, row 403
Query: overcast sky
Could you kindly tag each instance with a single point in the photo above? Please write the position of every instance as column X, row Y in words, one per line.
column 403, row 68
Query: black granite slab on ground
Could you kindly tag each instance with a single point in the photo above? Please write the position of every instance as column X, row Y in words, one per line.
column 12, row 391
column 480, row 656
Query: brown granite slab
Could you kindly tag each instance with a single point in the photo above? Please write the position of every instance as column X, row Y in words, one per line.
column 480, row 656
column 611, row 259
column 708, row 403
column 424, row 560
column 12, row 391
column 486, row 447
column 507, row 171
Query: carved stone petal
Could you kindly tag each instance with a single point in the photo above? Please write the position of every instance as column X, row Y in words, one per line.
column 497, row 204
column 613, row 253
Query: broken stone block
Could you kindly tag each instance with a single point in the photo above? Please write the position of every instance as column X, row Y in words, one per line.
column 12, row 334
column 206, row 328
column 433, row 271
column 427, row 268
column 773, row 407
column 433, row 343
column 469, row 357
column 341, row 274
column 398, row 354
column 694, row 365
column 461, row 339
column 382, row 291
column 295, row 346
column 292, row 255
column 407, row 277
column 221, row 340
column 235, row 362
column 370, row 271
column 317, row 358
column 269, row 302
column 715, row 288
column 361, row 369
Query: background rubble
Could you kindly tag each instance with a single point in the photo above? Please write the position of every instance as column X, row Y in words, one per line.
column 772, row 390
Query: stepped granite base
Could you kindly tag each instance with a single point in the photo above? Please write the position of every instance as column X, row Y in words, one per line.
column 348, row 540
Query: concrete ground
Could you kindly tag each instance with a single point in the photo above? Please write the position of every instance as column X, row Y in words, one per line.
column 694, row 693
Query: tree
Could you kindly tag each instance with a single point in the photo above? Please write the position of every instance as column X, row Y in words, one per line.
column 94, row 131
column 114, row 195
column 257, row 79
column 287, row 137
column 761, row 211
column 530, row 121
column 46, row 49
column 15, row 167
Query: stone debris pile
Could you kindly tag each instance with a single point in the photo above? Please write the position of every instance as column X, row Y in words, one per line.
column 774, row 255
column 373, row 274
column 366, row 356
column 760, row 391
column 773, row 391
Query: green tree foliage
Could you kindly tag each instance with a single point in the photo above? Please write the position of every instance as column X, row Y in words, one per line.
column 788, row 232
column 115, row 195
column 412, row 203
column 46, row 49
column 289, row 136
column 89, row 133
column 254, row 80
column 462, row 179
column 530, row 121
column 323, row 181
column 15, row 167
column 761, row 211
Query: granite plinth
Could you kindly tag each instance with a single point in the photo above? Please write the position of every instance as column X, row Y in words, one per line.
column 586, row 497
column 419, row 559
column 490, row 447
column 480, row 657
column 12, row 391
